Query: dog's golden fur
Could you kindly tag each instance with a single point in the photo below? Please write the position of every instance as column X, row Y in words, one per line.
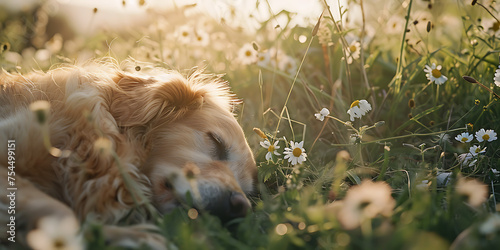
column 160, row 126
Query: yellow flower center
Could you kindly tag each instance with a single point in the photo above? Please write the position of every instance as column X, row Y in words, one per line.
column 297, row 152
column 478, row 150
column 352, row 48
column 248, row 53
column 464, row 139
column 270, row 148
column 355, row 103
column 486, row 137
column 436, row 73
column 185, row 34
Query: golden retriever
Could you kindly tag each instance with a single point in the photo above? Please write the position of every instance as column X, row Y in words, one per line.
column 116, row 140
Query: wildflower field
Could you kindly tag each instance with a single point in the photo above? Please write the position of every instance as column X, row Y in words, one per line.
column 373, row 123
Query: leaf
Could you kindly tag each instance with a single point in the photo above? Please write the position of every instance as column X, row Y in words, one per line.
column 266, row 170
column 316, row 27
column 353, row 176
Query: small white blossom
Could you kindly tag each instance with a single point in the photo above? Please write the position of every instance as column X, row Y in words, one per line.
column 247, row 54
column 394, row 25
column 264, row 59
column 434, row 74
column 201, row 38
column 288, row 65
column 464, row 137
column 497, row 77
column 321, row 115
column 365, row 202
column 55, row 233
column 466, row 159
column 296, row 154
column 359, row 109
column 271, row 149
column 353, row 51
column 488, row 135
column 475, row 150
column 185, row 34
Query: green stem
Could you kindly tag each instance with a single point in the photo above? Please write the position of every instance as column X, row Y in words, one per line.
column 400, row 137
column 293, row 84
column 401, row 52
column 344, row 123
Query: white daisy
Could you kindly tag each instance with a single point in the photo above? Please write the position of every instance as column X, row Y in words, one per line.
column 247, row 54
column 434, row 74
column 288, row 65
column 364, row 202
column 353, row 51
column 492, row 26
column 55, row 233
column 296, row 153
column 475, row 150
column 264, row 59
column 359, row 109
column 185, row 34
column 464, row 137
column 466, row 159
column 497, row 77
column 201, row 38
column 488, row 135
column 394, row 25
column 321, row 115
column 270, row 148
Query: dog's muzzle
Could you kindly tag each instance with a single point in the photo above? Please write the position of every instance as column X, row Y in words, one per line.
column 229, row 206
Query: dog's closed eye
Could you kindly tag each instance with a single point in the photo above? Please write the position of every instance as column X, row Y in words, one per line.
column 220, row 148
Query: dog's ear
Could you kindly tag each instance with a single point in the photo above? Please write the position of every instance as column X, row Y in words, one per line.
column 139, row 101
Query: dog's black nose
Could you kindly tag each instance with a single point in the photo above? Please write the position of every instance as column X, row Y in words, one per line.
column 238, row 205
column 229, row 206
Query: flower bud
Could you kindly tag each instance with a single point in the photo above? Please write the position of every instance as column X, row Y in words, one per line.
column 260, row 133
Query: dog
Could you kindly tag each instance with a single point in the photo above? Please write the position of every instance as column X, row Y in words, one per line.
column 98, row 142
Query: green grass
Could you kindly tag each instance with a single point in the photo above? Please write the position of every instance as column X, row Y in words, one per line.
column 299, row 206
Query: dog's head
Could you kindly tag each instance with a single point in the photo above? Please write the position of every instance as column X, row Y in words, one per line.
column 197, row 150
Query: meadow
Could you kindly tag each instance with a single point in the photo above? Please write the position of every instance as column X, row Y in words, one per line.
column 374, row 125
